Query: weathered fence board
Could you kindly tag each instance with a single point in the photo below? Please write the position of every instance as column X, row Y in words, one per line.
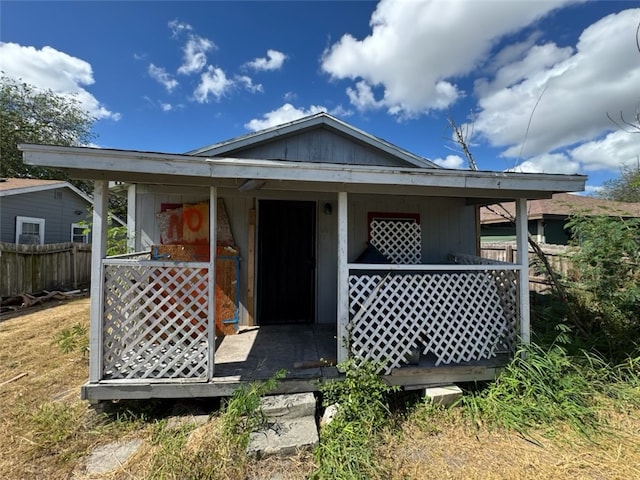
column 557, row 255
column 33, row 268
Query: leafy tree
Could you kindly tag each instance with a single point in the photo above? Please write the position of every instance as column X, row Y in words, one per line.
column 31, row 115
column 625, row 188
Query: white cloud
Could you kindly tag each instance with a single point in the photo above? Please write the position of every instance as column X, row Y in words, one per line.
column 161, row 76
column 273, row 61
column 213, row 82
column 177, row 27
column 248, row 84
column 609, row 153
column 51, row 69
column 194, row 54
column 166, row 107
column 286, row 113
column 452, row 161
column 548, row 163
column 601, row 75
column 416, row 49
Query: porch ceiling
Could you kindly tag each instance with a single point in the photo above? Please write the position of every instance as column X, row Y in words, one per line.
column 174, row 169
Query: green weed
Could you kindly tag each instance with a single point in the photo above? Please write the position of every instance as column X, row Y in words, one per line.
column 347, row 444
column 73, row 339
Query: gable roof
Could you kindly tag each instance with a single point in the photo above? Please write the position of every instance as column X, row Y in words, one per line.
column 17, row 186
column 316, row 121
column 563, row 205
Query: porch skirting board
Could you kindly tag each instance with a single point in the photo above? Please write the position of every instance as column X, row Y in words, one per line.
column 409, row 377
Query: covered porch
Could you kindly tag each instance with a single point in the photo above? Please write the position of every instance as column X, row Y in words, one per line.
column 454, row 317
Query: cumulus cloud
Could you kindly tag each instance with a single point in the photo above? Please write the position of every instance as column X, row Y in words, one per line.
column 565, row 102
column 51, row 69
column 548, row 163
column 273, row 61
column 286, row 113
column 194, row 54
column 213, row 83
column 451, row 161
column 162, row 77
column 247, row 83
column 416, row 50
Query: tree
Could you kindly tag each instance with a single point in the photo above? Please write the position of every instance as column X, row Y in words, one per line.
column 625, row 188
column 30, row 115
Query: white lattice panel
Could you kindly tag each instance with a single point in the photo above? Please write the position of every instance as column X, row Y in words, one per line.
column 398, row 240
column 454, row 316
column 155, row 322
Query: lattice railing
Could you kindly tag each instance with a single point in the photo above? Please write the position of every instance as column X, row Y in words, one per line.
column 453, row 315
column 399, row 241
column 155, row 318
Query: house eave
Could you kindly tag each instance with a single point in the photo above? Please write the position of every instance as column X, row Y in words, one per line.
column 150, row 167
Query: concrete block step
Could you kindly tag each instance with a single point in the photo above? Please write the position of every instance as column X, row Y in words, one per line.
column 290, row 405
column 285, row 436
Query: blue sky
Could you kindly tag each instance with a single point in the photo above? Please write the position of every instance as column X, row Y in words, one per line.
column 529, row 82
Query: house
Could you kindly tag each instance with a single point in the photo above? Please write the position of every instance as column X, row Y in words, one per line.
column 547, row 217
column 42, row 211
column 341, row 245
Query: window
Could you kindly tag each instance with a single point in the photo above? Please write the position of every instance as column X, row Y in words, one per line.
column 30, row 230
column 79, row 233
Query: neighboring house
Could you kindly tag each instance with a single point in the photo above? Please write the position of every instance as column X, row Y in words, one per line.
column 343, row 244
column 43, row 211
column 547, row 217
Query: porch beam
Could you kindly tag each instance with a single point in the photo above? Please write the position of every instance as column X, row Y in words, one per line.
column 211, row 294
column 343, row 278
column 522, row 244
column 98, row 252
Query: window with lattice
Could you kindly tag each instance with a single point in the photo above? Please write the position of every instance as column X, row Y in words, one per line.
column 397, row 236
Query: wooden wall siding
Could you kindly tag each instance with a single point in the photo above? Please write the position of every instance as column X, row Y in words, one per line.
column 33, row 268
column 447, row 224
column 57, row 207
column 319, row 145
column 238, row 206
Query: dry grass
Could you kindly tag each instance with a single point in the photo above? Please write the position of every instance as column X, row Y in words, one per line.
column 450, row 447
column 48, row 431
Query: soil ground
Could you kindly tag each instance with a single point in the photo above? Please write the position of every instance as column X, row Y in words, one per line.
column 47, row 432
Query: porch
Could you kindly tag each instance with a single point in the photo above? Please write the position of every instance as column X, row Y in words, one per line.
column 424, row 324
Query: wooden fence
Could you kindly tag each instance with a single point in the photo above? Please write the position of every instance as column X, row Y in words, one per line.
column 557, row 255
column 33, row 268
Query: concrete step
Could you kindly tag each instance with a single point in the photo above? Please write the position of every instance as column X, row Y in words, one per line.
column 288, row 406
column 285, row 436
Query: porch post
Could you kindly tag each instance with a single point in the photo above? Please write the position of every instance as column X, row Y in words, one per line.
column 211, row 294
column 132, row 241
column 522, row 245
column 98, row 252
column 343, row 278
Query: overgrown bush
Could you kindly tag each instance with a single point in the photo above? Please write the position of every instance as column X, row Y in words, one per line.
column 605, row 293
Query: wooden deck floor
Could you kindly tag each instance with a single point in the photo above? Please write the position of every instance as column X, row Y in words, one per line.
column 258, row 353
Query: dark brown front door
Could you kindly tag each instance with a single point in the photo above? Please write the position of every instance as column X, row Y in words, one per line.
column 286, row 262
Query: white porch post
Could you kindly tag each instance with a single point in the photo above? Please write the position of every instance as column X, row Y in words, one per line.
column 132, row 241
column 343, row 278
column 211, row 294
column 98, row 252
column 522, row 244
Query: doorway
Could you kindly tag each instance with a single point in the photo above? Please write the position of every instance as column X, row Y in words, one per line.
column 286, row 262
